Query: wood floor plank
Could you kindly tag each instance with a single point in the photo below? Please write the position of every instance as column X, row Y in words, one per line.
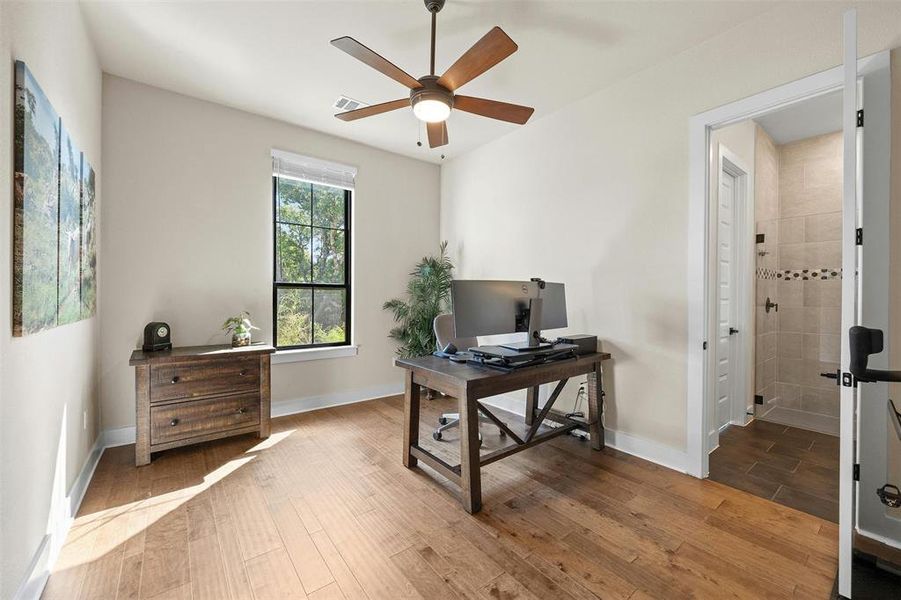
column 232, row 561
column 130, row 578
column 208, row 578
column 255, row 530
column 325, row 510
column 345, row 579
column 304, row 555
column 272, row 577
column 426, row 581
column 166, row 549
column 330, row 592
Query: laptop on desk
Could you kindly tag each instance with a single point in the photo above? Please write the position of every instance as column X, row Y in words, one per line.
column 514, row 357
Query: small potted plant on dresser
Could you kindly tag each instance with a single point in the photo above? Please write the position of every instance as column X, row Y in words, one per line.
column 240, row 327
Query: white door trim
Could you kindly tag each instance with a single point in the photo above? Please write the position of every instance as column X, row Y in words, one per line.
column 700, row 127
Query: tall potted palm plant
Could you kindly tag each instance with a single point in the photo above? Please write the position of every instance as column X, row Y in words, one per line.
column 428, row 295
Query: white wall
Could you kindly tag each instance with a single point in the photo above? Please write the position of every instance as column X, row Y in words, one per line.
column 48, row 380
column 596, row 195
column 187, row 231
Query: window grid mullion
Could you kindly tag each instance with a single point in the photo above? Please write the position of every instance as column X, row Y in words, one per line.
column 312, row 262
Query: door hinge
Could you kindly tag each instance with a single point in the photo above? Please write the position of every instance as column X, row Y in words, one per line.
column 858, row 237
column 704, row 346
column 860, row 118
column 857, row 472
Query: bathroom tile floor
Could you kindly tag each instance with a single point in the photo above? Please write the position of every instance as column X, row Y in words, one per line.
column 791, row 466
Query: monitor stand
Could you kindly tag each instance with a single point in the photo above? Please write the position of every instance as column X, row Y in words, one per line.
column 533, row 329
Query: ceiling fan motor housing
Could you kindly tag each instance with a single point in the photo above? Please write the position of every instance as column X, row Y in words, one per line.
column 431, row 90
column 434, row 6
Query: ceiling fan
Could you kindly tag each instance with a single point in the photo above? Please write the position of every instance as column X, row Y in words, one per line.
column 433, row 97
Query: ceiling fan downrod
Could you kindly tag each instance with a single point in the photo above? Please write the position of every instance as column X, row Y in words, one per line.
column 434, row 7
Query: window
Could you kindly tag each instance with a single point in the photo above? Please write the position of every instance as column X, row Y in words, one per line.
column 311, row 292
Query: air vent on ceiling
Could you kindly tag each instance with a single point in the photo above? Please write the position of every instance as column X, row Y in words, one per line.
column 344, row 104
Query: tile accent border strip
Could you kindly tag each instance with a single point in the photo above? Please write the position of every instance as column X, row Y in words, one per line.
column 798, row 274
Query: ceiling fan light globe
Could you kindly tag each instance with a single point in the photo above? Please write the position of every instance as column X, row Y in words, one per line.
column 431, row 110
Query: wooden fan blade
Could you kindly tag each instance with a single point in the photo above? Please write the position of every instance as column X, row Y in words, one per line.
column 494, row 47
column 437, row 134
column 502, row 111
column 376, row 61
column 375, row 109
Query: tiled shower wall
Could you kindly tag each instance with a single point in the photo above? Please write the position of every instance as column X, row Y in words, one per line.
column 805, row 249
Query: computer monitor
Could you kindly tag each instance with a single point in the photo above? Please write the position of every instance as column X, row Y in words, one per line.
column 487, row 307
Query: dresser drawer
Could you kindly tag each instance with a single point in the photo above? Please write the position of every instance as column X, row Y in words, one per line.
column 184, row 420
column 190, row 380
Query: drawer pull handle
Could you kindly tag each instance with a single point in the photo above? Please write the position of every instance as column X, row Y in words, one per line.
column 176, row 379
column 242, row 410
column 243, row 372
column 174, row 422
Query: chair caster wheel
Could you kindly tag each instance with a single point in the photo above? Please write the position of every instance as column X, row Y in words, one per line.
column 437, row 435
column 442, row 420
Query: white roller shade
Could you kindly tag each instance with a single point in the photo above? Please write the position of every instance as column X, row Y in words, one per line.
column 297, row 166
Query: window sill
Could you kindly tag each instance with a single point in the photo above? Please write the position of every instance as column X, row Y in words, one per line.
column 303, row 355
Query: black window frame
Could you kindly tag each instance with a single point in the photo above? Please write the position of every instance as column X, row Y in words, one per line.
column 277, row 285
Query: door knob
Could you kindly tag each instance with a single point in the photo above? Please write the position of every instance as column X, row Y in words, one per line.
column 733, row 331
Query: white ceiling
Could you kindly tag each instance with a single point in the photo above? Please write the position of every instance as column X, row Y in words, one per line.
column 274, row 58
column 805, row 119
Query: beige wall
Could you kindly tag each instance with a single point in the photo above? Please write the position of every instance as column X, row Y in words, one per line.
column 605, row 182
column 187, row 231
column 48, row 380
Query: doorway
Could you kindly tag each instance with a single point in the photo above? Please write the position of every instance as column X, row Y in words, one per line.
column 777, row 438
column 865, row 87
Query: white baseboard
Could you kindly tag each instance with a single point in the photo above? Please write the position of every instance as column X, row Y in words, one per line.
column 118, row 437
column 282, row 408
column 300, row 405
column 802, row 419
column 39, row 569
column 880, row 538
column 650, row 450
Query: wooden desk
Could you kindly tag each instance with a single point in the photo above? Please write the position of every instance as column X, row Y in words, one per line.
column 470, row 383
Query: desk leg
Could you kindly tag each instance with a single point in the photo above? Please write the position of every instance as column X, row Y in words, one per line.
column 596, row 406
column 531, row 404
column 411, row 419
column 470, row 474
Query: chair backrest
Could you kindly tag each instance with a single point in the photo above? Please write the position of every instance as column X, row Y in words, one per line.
column 444, row 333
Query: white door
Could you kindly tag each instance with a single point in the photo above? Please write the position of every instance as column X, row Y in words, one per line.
column 726, row 263
column 848, row 394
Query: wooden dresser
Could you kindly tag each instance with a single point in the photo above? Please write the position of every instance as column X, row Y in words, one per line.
column 199, row 393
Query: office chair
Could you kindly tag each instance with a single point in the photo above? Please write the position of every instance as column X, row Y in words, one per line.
column 444, row 334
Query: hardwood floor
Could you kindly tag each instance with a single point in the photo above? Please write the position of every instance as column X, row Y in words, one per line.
column 324, row 509
column 791, row 466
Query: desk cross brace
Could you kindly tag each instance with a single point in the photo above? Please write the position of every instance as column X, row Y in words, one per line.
column 453, row 472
